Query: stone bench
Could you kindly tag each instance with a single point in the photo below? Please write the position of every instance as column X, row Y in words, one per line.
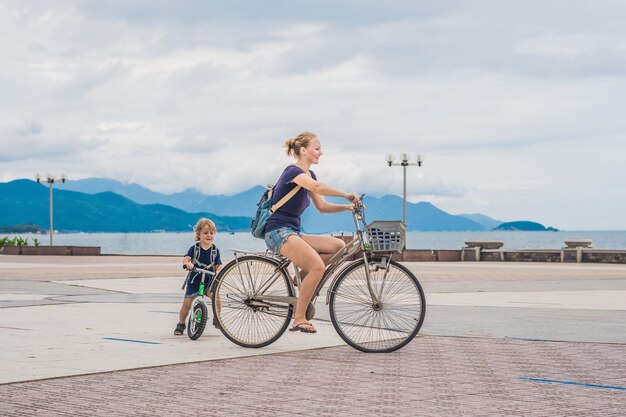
column 484, row 244
column 578, row 243
column 491, row 248
column 575, row 246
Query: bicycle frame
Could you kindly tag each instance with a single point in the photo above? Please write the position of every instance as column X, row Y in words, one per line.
column 202, row 289
column 282, row 263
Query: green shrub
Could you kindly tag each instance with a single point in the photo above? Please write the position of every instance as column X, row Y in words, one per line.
column 17, row 241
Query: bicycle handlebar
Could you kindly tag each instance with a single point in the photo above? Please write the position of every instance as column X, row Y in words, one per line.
column 358, row 206
column 202, row 271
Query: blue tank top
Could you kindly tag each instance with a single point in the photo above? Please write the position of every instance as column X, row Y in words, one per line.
column 289, row 214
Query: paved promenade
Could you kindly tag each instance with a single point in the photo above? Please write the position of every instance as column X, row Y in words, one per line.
column 93, row 336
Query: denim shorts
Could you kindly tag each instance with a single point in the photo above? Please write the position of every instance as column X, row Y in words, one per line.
column 276, row 238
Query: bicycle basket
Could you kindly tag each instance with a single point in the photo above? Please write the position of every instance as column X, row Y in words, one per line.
column 386, row 235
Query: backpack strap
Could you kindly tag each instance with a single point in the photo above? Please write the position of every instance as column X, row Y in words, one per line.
column 286, row 198
column 196, row 252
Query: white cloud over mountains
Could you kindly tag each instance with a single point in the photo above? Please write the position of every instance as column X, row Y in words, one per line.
column 517, row 107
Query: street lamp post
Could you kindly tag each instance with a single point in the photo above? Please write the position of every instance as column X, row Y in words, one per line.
column 404, row 163
column 50, row 180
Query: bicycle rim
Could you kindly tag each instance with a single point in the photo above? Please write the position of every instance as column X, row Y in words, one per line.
column 244, row 318
column 382, row 327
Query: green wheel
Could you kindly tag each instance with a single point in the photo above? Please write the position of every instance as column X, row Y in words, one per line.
column 197, row 319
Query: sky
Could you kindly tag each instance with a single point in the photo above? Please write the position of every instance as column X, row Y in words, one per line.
column 517, row 108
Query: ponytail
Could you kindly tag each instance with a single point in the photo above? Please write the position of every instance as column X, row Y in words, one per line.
column 293, row 145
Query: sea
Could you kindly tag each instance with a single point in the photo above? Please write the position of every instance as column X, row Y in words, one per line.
column 177, row 243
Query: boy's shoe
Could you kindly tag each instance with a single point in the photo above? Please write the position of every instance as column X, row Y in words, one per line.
column 180, row 329
column 216, row 323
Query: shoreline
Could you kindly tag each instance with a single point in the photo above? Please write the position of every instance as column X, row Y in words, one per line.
column 466, row 254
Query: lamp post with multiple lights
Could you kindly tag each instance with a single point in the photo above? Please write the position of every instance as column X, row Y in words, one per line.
column 50, row 180
column 404, row 163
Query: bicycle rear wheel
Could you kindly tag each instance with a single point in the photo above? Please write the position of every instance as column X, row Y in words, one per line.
column 245, row 315
column 197, row 319
column 377, row 327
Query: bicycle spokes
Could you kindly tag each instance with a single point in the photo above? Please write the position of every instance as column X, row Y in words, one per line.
column 253, row 296
column 382, row 324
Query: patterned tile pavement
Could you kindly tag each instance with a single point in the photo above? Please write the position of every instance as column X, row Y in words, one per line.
column 440, row 373
column 432, row 376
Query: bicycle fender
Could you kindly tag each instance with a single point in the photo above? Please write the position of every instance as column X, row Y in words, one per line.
column 345, row 268
column 275, row 261
column 338, row 274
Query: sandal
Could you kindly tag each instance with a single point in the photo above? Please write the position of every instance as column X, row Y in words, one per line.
column 180, row 328
column 300, row 328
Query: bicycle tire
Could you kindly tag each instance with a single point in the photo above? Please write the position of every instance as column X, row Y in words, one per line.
column 198, row 317
column 242, row 318
column 377, row 328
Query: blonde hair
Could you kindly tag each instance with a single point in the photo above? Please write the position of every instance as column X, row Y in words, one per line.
column 201, row 224
column 293, row 145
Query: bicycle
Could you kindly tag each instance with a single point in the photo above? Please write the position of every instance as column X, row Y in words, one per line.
column 376, row 304
column 198, row 313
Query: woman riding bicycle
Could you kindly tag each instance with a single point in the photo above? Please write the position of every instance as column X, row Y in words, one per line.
column 282, row 231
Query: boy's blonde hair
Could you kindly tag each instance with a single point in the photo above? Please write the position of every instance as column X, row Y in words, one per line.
column 201, row 224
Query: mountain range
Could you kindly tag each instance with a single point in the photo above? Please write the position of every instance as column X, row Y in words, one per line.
column 25, row 201
column 106, row 205
column 421, row 216
column 189, row 200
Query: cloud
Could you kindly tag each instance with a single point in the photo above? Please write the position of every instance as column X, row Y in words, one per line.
column 505, row 100
column 32, row 140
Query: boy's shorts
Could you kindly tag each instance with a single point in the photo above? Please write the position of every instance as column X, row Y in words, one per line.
column 276, row 238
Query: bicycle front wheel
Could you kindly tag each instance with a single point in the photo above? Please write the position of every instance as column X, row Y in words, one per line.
column 197, row 319
column 250, row 301
column 384, row 325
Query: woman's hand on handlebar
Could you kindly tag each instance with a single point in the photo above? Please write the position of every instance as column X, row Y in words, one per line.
column 353, row 198
column 357, row 202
